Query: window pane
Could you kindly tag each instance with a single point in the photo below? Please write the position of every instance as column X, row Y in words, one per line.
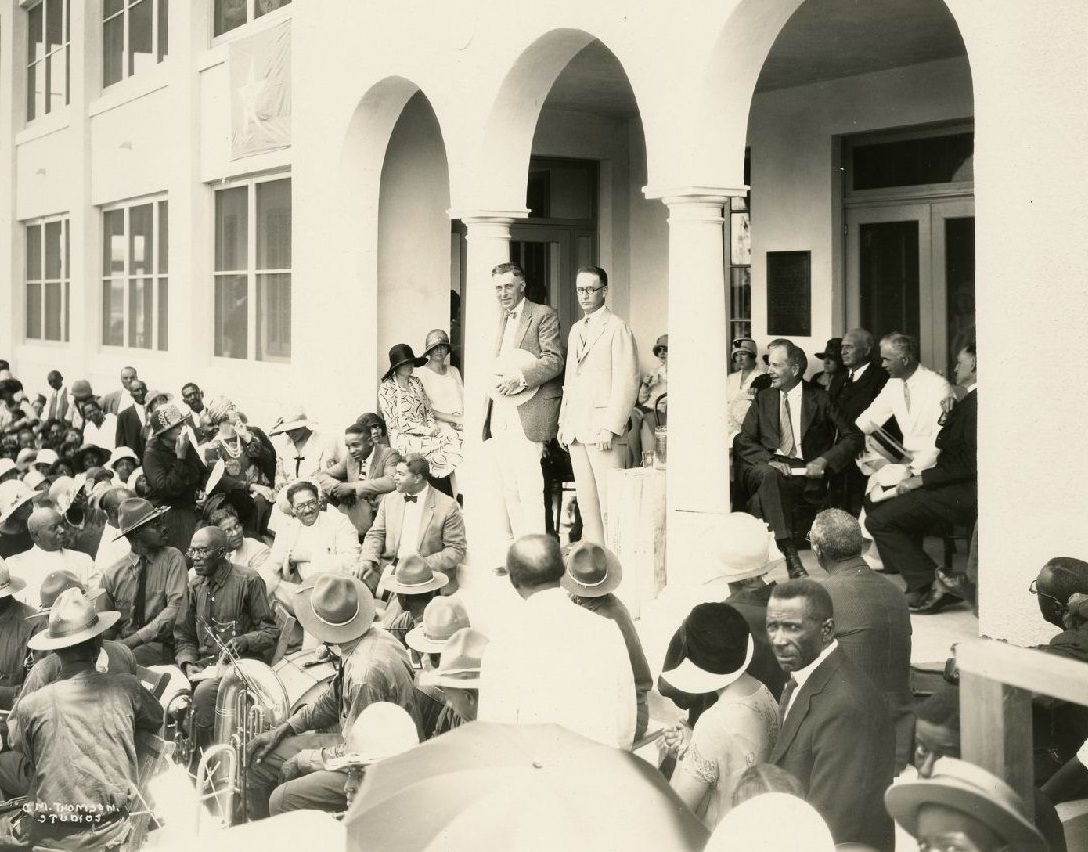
column 274, row 316
column 889, row 270
column 141, row 244
column 740, row 294
column 141, row 51
column 740, row 253
column 56, row 74
column 112, row 7
column 113, row 49
column 274, row 225
column 164, row 30
column 34, row 310
column 52, row 249
column 34, row 252
column 164, row 238
column 231, row 309
column 263, row 7
column 113, row 242
column 113, row 313
column 33, row 92
column 54, row 24
column 53, row 310
column 913, row 162
column 231, row 223
column 35, row 37
column 229, row 14
column 140, row 295
column 162, row 306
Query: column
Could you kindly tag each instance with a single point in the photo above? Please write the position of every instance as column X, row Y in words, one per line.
column 488, row 236
column 698, row 452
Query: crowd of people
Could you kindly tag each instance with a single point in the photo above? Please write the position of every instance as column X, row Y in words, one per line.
column 140, row 530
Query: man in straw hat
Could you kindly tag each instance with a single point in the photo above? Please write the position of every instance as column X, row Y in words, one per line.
column 371, row 666
column 415, row 585
column 458, row 673
column 301, row 450
column 174, row 473
column 80, row 736
column 148, row 586
column 442, row 617
column 593, row 573
column 50, row 533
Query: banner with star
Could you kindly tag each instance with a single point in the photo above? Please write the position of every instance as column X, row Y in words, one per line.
column 260, row 83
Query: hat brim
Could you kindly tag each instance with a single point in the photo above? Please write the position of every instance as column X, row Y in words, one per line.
column 44, row 642
column 438, row 581
column 905, row 799
column 45, row 610
column 288, row 426
column 415, row 362
column 430, row 349
column 157, row 512
column 689, row 678
column 23, row 500
column 434, row 677
column 417, row 640
column 334, row 634
column 13, row 587
column 349, row 761
column 610, row 584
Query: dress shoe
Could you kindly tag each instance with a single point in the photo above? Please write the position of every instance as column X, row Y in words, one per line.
column 794, row 567
column 935, row 602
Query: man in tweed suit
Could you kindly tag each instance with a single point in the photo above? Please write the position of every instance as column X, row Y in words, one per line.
column 524, row 409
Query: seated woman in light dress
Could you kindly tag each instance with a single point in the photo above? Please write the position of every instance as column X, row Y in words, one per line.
column 442, row 383
column 412, row 425
column 738, row 731
column 652, row 394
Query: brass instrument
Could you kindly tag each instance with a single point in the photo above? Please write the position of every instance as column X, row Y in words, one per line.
column 250, row 701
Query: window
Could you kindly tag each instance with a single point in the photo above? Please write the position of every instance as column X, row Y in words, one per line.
column 230, row 14
column 135, row 283
column 134, row 37
column 739, row 231
column 47, row 279
column 47, row 58
column 253, row 270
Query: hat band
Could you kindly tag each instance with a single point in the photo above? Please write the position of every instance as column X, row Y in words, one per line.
column 416, row 583
column 328, row 623
column 426, row 634
column 469, row 670
column 61, row 632
column 590, row 584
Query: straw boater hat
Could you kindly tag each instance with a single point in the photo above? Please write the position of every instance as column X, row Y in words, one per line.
column 402, row 353
column 740, row 547
column 382, row 730
column 459, row 665
column 13, row 494
column 72, row 620
column 968, row 788
column 415, row 577
column 9, row 585
column 435, row 339
column 134, row 512
column 166, row 417
column 718, row 649
column 592, row 571
column 294, row 418
column 334, row 608
column 443, row 617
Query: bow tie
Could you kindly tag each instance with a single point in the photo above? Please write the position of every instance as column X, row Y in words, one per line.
column 411, row 498
column 511, row 314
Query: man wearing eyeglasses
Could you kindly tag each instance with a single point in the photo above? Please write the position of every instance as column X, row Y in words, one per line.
column 599, row 392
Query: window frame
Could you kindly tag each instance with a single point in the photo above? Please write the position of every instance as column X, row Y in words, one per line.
column 251, row 7
column 64, row 280
column 42, row 64
column 159, row 27
column 159, row 274
column 256, row 350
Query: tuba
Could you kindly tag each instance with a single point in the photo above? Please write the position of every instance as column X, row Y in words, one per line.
column 251, row 700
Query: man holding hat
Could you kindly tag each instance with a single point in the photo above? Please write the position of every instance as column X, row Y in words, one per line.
column 593, row 573
column 80, row 736
column 49, row 531
column 148, row 586
column 371, row 666
column 174, row 473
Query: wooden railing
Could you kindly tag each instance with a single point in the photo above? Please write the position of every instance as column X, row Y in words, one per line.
column 996, row 685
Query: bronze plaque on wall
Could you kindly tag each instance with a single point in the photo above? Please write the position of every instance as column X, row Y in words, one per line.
column 789, row 293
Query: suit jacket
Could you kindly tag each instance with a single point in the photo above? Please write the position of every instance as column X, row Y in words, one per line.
column 957, row 461
column 824, row 431
column 838, row 741
column 602, row 378
column 441, row 532
column 369, row 490
column 111, row 402
column 538, row 334
column 856, row 396
column 130, row 432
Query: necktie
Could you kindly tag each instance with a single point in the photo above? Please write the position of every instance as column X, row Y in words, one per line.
column 512, row 314
column 788, row 444
column 851, row 379
column 784, row 701
column 906, row 395
column 411, row 498
column 298, row 464
column 139, row 605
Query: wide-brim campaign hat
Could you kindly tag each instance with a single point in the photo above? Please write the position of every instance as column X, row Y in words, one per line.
column 460, row 663
column 134, row 512
column 164, row 418
column 13, row 494
column 833, row 349
column 592, row 571
column 383, row 729
column 401, row 354
column 965, row 787
column 443, row 617
column 57, row 583
column 9, row 585
column 73, row 619
column 334, row 608
column 295, row 418
column 717, row 649
column 435, row 338
column 414, row 577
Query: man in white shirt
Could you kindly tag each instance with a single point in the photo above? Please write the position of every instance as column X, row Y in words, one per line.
column 118, row 400
column 555, row 661
column 57, row 402
column 99, row 429
column 49, row 531
column 112, row 547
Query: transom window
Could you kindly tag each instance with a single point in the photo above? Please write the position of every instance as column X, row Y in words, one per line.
column 134, row 37
column 48, row 58
column 253, row 270
column 230, row 14
column 47, row 278
column 135, row 282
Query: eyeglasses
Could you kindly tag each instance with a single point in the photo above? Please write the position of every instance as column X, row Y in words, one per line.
column 1034, row 589
column 201, row 552
column 585, row 291
column 307, row 506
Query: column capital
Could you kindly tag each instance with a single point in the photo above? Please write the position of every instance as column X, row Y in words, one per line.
column 676, row 196
column 495, row 217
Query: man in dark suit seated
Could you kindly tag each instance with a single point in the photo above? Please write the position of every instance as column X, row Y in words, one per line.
column 836, row 738
column 944, row 494
column 791, row 438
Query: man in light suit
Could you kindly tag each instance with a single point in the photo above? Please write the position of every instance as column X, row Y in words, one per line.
column 837, row 737
column 415, row 518
column 118, row 400
column 524, row 413
column 599, row 392
column 358, row 483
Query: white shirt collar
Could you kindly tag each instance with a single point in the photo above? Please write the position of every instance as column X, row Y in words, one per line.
column 515, row 312
column 801, row 675
column 973, row 388
column 593, row 315
column 794, row 394
column 858, row 371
